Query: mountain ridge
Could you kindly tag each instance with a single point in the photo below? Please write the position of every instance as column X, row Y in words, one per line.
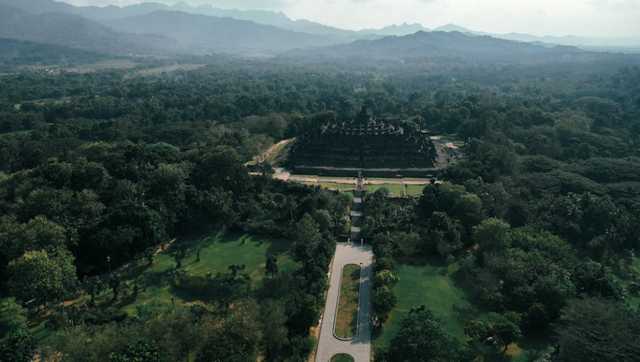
column 75, row 31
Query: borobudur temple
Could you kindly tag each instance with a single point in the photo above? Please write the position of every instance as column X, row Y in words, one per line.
column 364, row 144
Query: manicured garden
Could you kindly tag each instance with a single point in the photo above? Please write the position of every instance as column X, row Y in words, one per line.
column 346, row 324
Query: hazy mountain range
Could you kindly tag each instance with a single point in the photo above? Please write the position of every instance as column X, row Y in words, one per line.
column 443, row 46
column 154, row 28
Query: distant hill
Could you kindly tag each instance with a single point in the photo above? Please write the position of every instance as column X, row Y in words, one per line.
column 39, row 6
column 257, row 16
column 74, row 31
column 395, row 30
column 444, row 45
column 218, row 34
column 112, row 12
column 629, row 44
column 30, row 53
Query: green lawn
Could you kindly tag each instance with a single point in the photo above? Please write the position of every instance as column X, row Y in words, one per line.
column 413, row 190
column 428, row 281
column 342, row 357
column 336, row 178
column 423, row 179
column 153, row 283
column 346, row 325
column 304, row 176
column 219, row 253
column 383, row 178
column 330, row 185
column 394, row 190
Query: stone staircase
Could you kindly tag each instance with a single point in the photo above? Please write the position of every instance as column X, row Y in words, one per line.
column 357, row 211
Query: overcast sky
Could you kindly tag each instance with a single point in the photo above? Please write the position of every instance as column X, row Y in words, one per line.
column 595, row 18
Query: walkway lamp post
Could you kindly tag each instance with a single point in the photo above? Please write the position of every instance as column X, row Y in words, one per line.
column 109, row 263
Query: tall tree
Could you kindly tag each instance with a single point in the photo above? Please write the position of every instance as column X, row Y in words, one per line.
column 599, row 330
column 46, row 277
column 18, row 347
column 423, row 338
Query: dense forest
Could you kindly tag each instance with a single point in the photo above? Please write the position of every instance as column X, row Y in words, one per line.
column 541, row 216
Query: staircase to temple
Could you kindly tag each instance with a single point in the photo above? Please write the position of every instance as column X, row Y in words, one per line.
column 357, row 211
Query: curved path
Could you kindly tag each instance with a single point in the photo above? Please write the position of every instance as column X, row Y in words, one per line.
column 360, row 347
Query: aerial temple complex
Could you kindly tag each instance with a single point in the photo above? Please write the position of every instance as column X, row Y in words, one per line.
column 375, row 147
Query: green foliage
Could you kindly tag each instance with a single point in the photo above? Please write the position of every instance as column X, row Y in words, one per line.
column 598, row 330
column 141, row 350
column 19, row 346
column 12, row 316
column 422, row 337
column 383, row 302
column 46, row 277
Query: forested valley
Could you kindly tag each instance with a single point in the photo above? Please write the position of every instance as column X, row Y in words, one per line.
column 101, row 170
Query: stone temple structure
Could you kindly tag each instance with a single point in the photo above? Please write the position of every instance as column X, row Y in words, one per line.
column 364, row 144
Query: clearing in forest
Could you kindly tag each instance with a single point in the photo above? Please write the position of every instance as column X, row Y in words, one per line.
column 427, row 280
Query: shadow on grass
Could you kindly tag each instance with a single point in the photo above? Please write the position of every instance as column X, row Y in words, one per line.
column 465, row 314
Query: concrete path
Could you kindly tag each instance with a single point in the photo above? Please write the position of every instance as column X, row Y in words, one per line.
column 328, row 344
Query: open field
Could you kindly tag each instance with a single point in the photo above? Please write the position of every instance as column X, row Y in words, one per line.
column 347, row 318
column 295, row 175
column 167, row 69
column 331, row 185
column 154, row 283
column 427, row 280
column 395, row 179
column 337, row 178
column 420, row 179
column 102, row 65
column 413, row 190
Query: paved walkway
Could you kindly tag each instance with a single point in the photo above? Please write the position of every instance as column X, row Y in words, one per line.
column 328, row 344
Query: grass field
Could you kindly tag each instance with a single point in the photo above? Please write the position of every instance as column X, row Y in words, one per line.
column 423, row 179
column 383, row 179
column 347, row 318
column 394, row 190
column 342, row 357
column 315, row 177
column 154, row 284
column 428, row 281
column 413, row 190
column 102, row 65
column 330, row 185
column 336, row 178
column 218, row 254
